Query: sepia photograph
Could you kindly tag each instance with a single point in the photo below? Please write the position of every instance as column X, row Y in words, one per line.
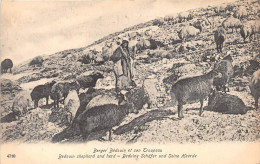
column 134, row 81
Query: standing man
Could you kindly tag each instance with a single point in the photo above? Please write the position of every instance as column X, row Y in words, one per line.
column 126, row 59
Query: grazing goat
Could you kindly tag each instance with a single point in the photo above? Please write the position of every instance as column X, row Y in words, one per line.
column 188, row 31
column 103, row 117
column 249, row 30
column 232, row 23
column 62, row 89
column 226, row 69
column 241, row 12
column 5, row 65
column 219, row 37
column 41, row 91
column 192, row 89
column 89, row 80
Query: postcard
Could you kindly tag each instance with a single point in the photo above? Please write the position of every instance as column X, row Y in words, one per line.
column 130, row 81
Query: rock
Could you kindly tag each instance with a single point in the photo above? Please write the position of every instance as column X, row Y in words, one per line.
column 102, row 100
column 9, row 86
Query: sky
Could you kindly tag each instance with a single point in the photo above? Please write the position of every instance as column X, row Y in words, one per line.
column 29, row 29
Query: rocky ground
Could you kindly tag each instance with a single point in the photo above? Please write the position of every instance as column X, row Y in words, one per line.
column 188, row 61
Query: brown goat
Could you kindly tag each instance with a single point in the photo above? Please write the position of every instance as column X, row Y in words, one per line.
column 255, row 86
column 192, row 89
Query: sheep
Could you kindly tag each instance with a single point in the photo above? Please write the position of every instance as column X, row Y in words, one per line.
column 232, row 23
column 38, row 60
column 241, row 12
column 246, row 31
column 71, row 104
column 192, row 89
column 171, row 19
column 254, row 86
column 5, row 65
column 142, row 45
column 226, row 69
column 103, row 117
column 249, row 30
column 225, row 103
column 157, row 22
column 87, row 58
column 145, row 44
column 220, row 9
column 184, row 16
column 229, row 7
column 41, row 91
column 61, row 89
column 219, row 37
column 21, row 104
column 89, row 81
column 158, row 53
column 188, row 31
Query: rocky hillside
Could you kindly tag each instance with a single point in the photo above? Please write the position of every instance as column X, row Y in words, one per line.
column 172, row 58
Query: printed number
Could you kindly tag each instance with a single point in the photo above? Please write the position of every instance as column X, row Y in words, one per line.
column 11, row 155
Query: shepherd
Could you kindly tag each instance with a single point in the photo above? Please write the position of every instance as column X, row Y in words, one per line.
column 123, row 60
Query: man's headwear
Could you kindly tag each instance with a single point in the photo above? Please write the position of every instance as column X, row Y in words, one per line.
column 125, row 41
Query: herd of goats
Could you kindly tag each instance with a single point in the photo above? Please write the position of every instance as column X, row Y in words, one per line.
column 106, row 116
